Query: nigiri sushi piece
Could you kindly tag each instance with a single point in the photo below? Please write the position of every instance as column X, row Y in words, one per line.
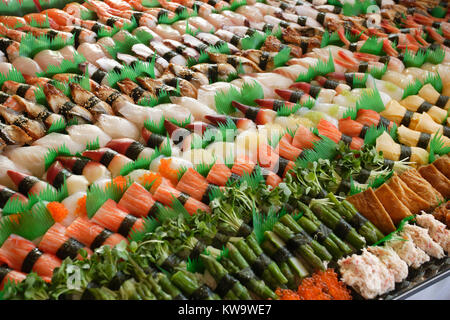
column 55, row 140
column 430, row 94
column 27, row 184
column 21, row 89
column 88, row 100
column 26, row 66
column 174, row 111
column 166, row 195
column 241, row 123
column 292, row 72
column 320, row 94
column 92, row 235
column 91, row 170
column 258, row 115
column 88, row 133
column 396, row 152
column 219, row 174
column 138, row 201
column 328, row 130
column 47, row 58
column 56, row 175
column 130, row 148
column 166, row 32
column 352, row 128
column 10, row 275
column 21, row 254
column 133, row 90
column 424, row 123
column 56, row 242
column 245, row 165
column 6, row 194
column 370, row 117
column 38, row 112
column 215, row 71
column 112, row 217
column 304, row 138
column 13, row 135
column 75, row 205
column 196, row 108
column 111, row 159
column 419, row 139
column 197, row 156
column 109, row 125
column 195, row 185
column 270, row 159
column 154, row 140
column 394, row 91
column 418, row 104
column 287, row 150
column 32, row 128
column 206, row 93
column 29, row 160
column 168, row 166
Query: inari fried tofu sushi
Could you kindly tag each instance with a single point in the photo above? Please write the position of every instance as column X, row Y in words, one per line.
column 394, row 207
column 437, row 179
column 422, row 187
column 443, row 165
column 406, row 195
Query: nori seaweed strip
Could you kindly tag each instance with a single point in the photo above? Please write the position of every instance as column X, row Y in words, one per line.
column 59, row 179
column 51, row 34
column 22, row 90
column 267, row 27
column 79, row 165
column 180, row 136
column 446, row 131
column 388, row 164
column 70, row 249
column 349, row 77
column 244, row 230
column 4, row 44
column 233, row 177
column 134, row 149
column 283, row 6
column 117, row 281
column 424, row 140
column 4, row 270
column 406, row 120
column 219, row 240
column 277, row 104
column 245, row 276
column 344, row 187
column 107, row 157
column 154, row 209
column 126, row 225
column 225, row 284
column 180, row 9
column 441, row 101
column 296, row 96
column 393, row 37
column 205, row 197
column 112, row 97
column 96, row 27
column 76, row 35
column 447, row 42
column 162, row 12
column 346, row 139
column 91, row 102
column 263, row 60
column 155, row 140
column 169, row 55
column 282, row 164
column 252, row 113
column 304, row 46
column 363, row 66
column 384, row 59
column 100, row 239
column 213, row 73
column 197, row 250
column 282, row 255
column 183, row 198
column 321, row 17
column 301, row 20
column 235, row 40
column 364, row 129
column 233, row 61
column 321, row 234
column 337, row 10
column 424, row 107
column 5, row 195
column 342, row 228
column 30, row 260
column 137, row 15
column 202, row 293
column 330, row 84
column 357, row 221
column 26, row 184
column 299, row 239
column 260, row 264
column 111, row 20
column 405, row 152
column 284, row 24
column 363, row 175
column 436, row 25
column 250, row 31
column 3, row 97
column 98, row 75
column 314, row 91
column 170, row 263
column 137, row 94
column 383, row 122
column 353, row 47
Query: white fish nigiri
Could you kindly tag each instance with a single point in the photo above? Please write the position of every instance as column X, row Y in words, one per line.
column 56, row 140
column 198, row 156
column 31, row 158
column 47, row 58
column 26, row 66
column 73, row 204
column 176, row 163
column 174, row 111
column 7, row 163
column 197, row 109
column 92, row 52
column 109, row 125
column 86, row 133
column 138, row 114
column 207, row 93
column 394, row 91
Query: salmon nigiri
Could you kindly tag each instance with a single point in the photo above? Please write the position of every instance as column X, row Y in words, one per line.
column 56, row 242
column 92, row 235
column 21, row 254
column 138, row 201
column 304, row 138
column 112, row 217
column 352, row 128
column 371, row 117
column 165, row 194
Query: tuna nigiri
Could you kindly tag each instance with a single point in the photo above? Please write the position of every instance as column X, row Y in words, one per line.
column 27, row 184
column 6, row 194
column 56, row 175
column 91, row 170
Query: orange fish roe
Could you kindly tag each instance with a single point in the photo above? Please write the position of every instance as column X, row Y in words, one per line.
column 81, row 207
column 57, row 210
column 167, row 172
column 151, row 179
column 14, row 218
column 120, row 182
column 322, row 285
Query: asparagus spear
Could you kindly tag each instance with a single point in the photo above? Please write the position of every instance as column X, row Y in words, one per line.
column 299, row 244
column 338, row 225
column 225, row 283
column 187, row 283
column 168, row 287
column 262, row 265
column 319, row 250
column 240, row 269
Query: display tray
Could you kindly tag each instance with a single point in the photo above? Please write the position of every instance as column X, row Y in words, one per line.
column 418, row 279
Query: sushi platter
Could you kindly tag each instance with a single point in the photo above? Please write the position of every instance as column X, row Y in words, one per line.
column 224, row 149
